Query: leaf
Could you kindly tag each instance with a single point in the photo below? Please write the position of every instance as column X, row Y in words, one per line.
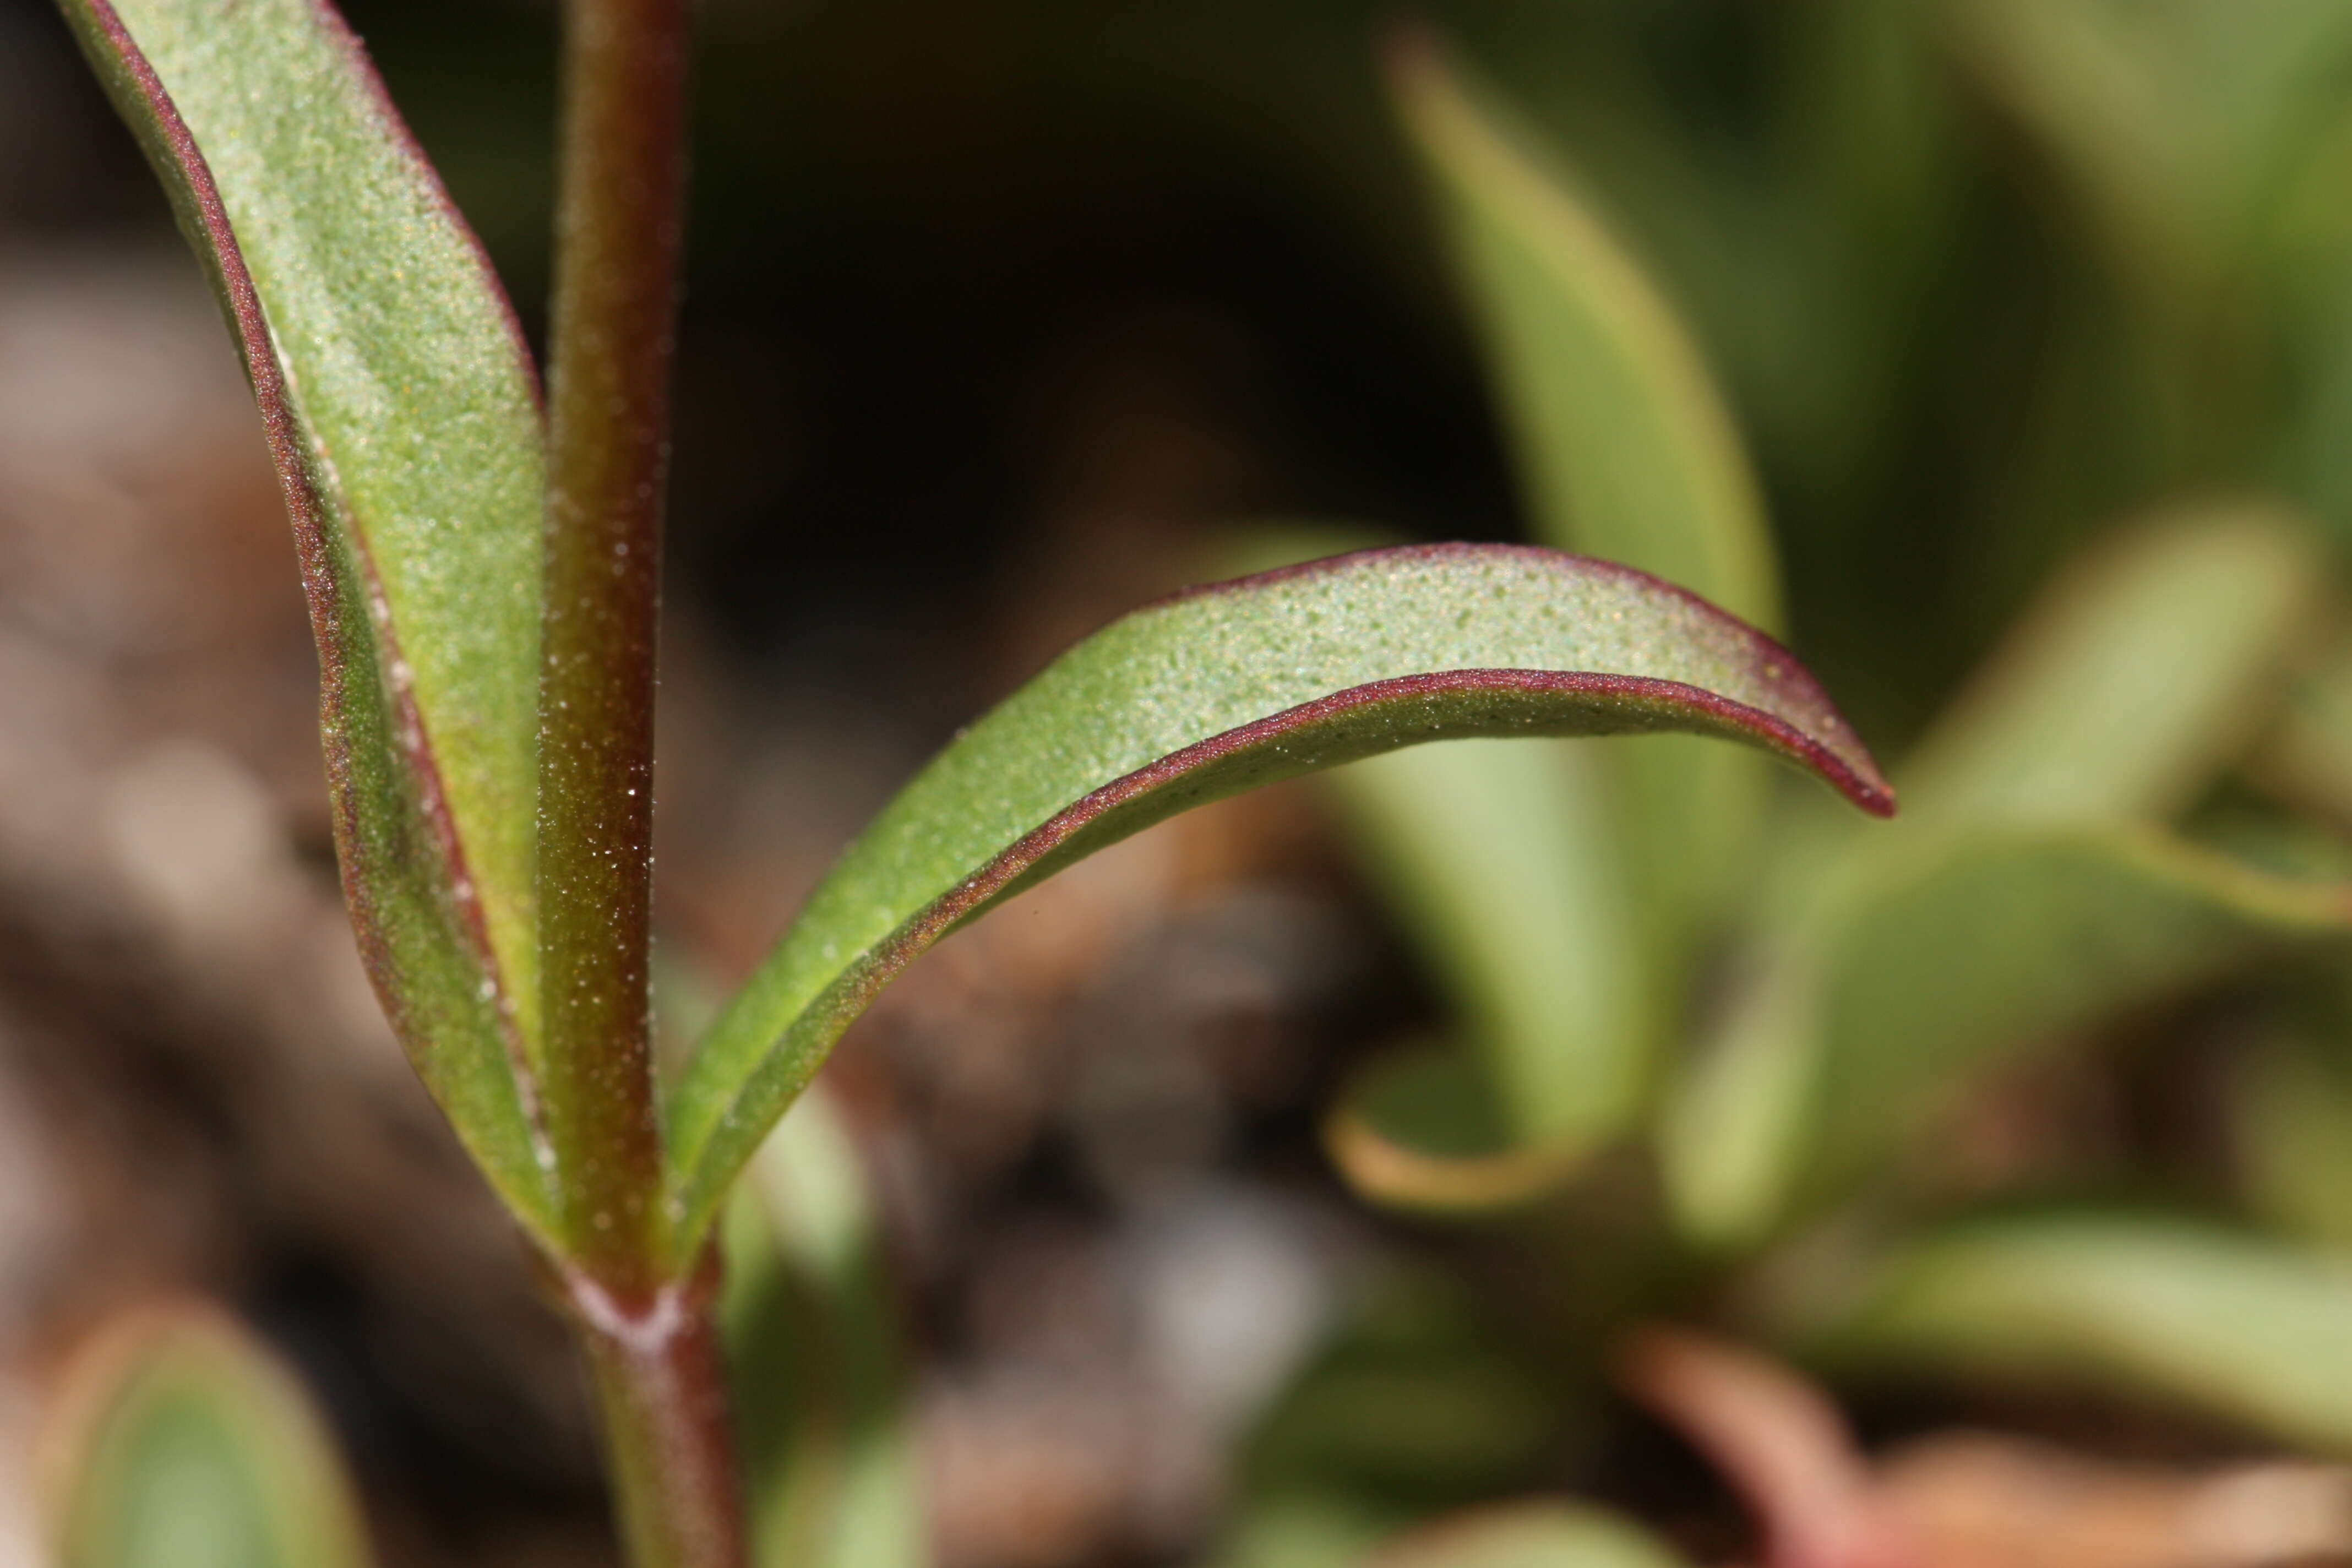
column 1206, row 694
column 1969, row 948
column 1528, row 1535
column 2125, row 690
column 1624, row 450
column 1562, row 893
column 1425, row 1128
column 401, row 413
column 815, row 1342
column 176, row 1441
column 1499, row 857
column 1503, row 861
column 2291, row 1129
column 2248, row 1330
column 2149, row 664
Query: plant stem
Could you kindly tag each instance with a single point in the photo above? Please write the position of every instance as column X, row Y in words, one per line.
column 659, row 1374
column 617, row 242
column 661, row 1388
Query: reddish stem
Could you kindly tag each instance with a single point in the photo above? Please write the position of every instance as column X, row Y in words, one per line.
column 618, row 233
column 660, row 1375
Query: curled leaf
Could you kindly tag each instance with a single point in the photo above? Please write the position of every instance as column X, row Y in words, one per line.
column 1210, row 693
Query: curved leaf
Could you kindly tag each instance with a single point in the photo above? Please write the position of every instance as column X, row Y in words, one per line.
column 401, row 413
column 1206, row 694
column 2245, row 1328
column 1969, row 947
column 1528, row 1535
column 1423, row 1128
column 177, row 1442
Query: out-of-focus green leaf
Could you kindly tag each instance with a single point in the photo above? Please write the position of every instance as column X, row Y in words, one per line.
column 1501, row 858
column 1966, row 949
column 1204, row 696
column 177, row 1442
column 402, row 415
column 1528, row 1535
column 2134, row 679
column 1422, row 1402
column 1625, row 448
column 2249, row 1330
column 2126, row 689
column 815, row 1341
column 1560, row 891
column 2291, row 1124
column 1625, row 451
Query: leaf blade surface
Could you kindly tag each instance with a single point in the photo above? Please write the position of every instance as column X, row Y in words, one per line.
column 1210, row 693
column 403, row 418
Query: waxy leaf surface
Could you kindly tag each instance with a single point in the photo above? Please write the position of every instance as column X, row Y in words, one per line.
column 177, row 1442
column 401, row 413
column 1206, row 694
column 2249, row 1329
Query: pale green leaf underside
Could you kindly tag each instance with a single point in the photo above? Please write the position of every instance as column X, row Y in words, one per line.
column 186, row 1445
column 401, row 411
column 1204, row 696
column 2249, row 1330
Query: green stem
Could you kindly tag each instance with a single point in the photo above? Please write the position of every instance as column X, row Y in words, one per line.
column 660, row 1377
column 617, row 243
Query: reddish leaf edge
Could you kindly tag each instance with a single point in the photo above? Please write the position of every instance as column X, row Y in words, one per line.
column 697, row 1183
column 283, row 433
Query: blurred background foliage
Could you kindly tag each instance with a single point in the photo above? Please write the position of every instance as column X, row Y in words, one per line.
column 2031, row 320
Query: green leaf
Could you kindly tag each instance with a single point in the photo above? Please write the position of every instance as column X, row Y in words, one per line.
column 1624, row 450
column 2137, row 677
column 1528, row 1535
column 1501, row 858
column 2291, row 1128
column 2248, row 1330
column 1961, row 952
column 2147, row 665
column 401, row 412
column 1210, row 693
column 1624, row 446
column 816, row 1345
column 177, row 1442
column 1562, row 892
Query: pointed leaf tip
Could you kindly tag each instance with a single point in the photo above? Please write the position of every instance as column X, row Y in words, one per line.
column 1206, row 694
